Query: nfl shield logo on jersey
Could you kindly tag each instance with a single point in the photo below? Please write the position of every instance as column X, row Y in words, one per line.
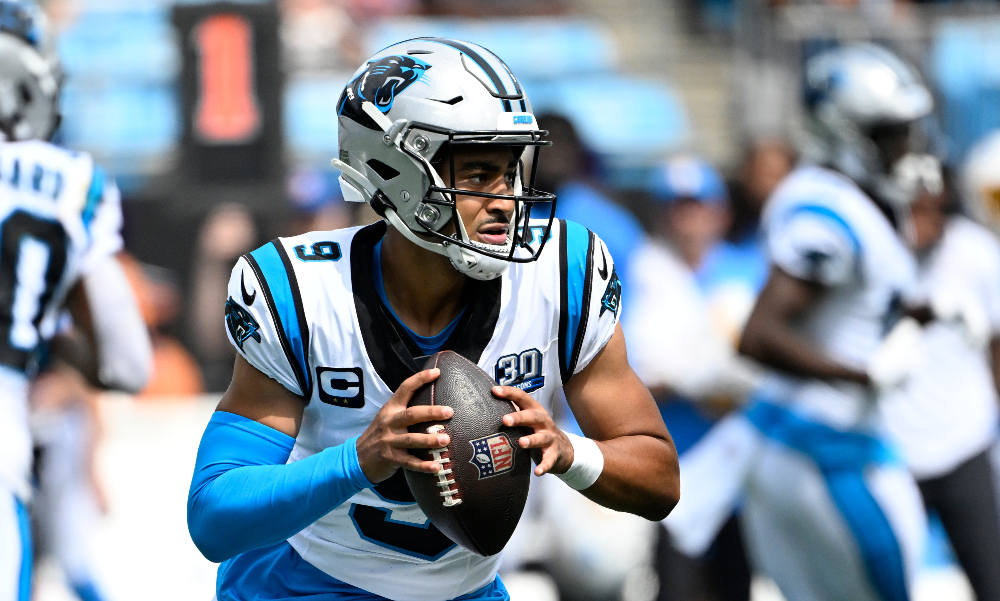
column 492, row 455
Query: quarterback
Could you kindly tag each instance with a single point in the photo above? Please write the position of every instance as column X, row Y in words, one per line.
column 298, row 489
column 60, row 217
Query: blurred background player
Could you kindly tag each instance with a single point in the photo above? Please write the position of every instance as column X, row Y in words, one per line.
column 69, row 496
column 59, row 229
column 829, row 514
column 570, row 171
column 944, row 417
column 688, row 297
column 766, row 161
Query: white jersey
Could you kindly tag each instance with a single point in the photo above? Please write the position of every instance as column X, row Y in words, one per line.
column 821, row 227
column 672, row 341
column 305, row 311
column 59, row 215
column 947, row 411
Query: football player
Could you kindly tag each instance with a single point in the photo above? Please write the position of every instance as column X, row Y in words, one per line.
column 830, row 512
column 945, row 417
column 298, row 488
column 60, row 217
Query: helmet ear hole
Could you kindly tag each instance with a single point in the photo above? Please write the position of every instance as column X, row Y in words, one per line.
column 25, row 92
column 384, row 171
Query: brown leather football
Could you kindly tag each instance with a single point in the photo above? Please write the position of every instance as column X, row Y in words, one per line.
column 479, row 501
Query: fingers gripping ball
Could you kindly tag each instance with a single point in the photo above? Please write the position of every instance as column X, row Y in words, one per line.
column 478, row 496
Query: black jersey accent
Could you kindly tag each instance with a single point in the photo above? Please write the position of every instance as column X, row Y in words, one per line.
column 563, row 305
column 286, row 346
column 300, row 313
column 391, row 351
column 588, row 284
column 570, row 356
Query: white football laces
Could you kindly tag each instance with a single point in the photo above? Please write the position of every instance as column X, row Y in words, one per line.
column 449, row 489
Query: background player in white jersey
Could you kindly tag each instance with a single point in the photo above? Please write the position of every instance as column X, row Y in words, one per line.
column 945, row 416
column 59, row 229
column 830, row 513
column 297, row 486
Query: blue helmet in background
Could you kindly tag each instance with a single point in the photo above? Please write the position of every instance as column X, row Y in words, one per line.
column 687, row 178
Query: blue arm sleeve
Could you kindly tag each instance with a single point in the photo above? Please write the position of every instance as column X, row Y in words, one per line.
column 243, row 496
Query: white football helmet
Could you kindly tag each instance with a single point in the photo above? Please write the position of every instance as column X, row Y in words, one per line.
column 851, row 92
column 30, row 74
column 981, row 182
column 405, row 110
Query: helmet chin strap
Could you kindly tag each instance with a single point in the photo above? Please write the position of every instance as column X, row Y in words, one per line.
column 476, row 266
column 466, row 262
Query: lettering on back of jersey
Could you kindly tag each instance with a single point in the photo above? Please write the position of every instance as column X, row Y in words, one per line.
column 492, row 455
column 523, row 370
column 341, row 386
column 612, row 294
column 242, row 326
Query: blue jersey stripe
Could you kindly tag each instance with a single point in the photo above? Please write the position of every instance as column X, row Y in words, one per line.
column 282, row 295
column 842, row 458
column 574, row 260
column 832, row 216
column 24, row 525
column 94, row 195
column 303, row 329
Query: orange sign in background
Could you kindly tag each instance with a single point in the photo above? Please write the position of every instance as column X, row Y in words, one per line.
column 227, row 108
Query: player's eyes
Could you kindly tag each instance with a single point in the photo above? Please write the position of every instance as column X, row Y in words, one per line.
column 484, row 177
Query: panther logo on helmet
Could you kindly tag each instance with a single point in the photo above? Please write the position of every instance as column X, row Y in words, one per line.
column 379, row 84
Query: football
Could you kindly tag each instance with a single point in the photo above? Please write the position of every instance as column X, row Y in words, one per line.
column 478, row 498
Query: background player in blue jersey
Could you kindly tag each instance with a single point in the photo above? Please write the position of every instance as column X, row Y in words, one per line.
column 60, row 218
column 297, row 487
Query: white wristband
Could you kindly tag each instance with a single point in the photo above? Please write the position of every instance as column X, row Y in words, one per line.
column 588, row 463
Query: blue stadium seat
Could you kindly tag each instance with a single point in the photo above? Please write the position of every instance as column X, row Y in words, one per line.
column 628, row 119
column 127, row 127
column 964, row 66
column 311, row 117
column 135, row 46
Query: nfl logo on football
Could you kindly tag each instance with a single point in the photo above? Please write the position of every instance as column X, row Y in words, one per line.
column 492, row 455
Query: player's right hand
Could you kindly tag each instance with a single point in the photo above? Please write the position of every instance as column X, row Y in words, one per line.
column 383, row 447
column 897, row 357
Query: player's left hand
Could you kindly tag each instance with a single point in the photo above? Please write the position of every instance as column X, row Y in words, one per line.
column 551, row 449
